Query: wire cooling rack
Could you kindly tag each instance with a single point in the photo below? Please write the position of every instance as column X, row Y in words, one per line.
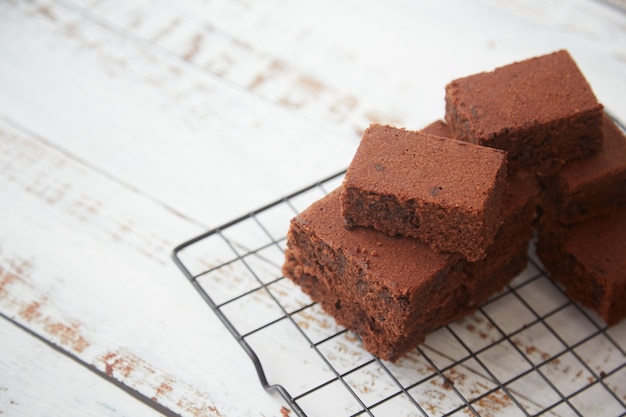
column 527, row 351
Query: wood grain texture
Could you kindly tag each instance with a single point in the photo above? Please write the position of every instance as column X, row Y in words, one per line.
column 129, row 127
column 56, row 383
column 95, row 303
column 367, row 62
column 136, row 106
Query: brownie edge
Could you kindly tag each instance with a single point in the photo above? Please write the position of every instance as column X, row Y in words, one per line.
column 591, row 187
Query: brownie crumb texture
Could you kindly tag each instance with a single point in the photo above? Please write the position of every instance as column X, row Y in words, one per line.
column 429, row 224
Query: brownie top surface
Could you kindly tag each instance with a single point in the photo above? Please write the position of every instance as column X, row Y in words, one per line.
column 609, row 160
column 522, row 94
column 417, row 166
column 402, row 264
column 600, row 243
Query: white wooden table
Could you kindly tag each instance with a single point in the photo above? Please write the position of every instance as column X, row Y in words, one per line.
column 127, row 128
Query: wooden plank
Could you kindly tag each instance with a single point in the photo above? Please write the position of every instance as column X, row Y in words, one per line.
column 84, row 263
column 125, row 107
column 366, row 62
column 58, row 384
column 269, row 67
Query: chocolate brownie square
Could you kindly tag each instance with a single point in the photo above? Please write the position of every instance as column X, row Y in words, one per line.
column 439, row 128
column 542, row 111
column 589, row 187
column 589, row 260
column 391, row 291
column 444, row 192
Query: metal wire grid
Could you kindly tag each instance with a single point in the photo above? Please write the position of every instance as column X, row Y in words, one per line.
column 527, row 351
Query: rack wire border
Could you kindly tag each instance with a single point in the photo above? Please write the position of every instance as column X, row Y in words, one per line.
column 231, row 328
column 440, row 371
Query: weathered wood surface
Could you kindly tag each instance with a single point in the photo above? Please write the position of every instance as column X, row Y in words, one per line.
column 129, row 127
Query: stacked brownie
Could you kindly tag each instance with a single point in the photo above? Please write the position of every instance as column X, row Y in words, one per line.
column 389, row 290
column 589, row 260
column 544, row 114
column 429, row 224
column 582, row 233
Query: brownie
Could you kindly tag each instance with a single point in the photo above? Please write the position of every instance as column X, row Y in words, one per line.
column 444, row 192
column 439, row 128
column 391, row 291
column 542, row 111
column 590, row 187
column 589, row 260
